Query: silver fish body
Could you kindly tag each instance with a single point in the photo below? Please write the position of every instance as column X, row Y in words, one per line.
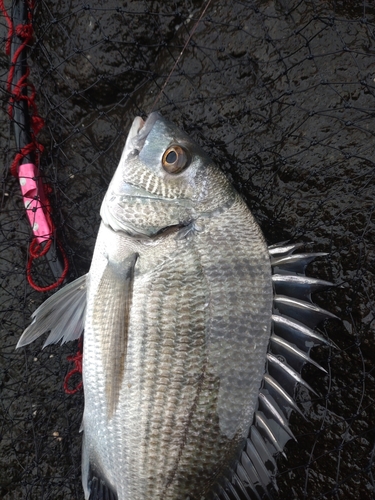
column 195, row 333
column 169, row 400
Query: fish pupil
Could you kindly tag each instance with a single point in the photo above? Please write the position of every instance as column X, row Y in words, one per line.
column 171, row 157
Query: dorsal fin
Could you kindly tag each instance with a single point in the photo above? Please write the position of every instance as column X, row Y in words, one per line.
column 293, row 321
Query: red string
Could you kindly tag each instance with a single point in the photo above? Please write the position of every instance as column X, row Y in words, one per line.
column 18, row 92
column 25, row 151
column 38, row 250
column 77, row 360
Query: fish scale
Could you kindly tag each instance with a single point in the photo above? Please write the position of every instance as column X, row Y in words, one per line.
column 242, row 298
column 186, row 397
column 150, row 345
column 162, row 390
column 179, row 282
column 190, row 336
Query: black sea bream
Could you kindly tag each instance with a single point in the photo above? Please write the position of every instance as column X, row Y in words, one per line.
column 186, row 397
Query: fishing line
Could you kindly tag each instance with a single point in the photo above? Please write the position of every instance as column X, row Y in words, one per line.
column 180, row 55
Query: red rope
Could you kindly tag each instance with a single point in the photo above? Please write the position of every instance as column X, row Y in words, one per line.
column 77, row 360
column 18, row 92
column 36, row 251
column 25, row 151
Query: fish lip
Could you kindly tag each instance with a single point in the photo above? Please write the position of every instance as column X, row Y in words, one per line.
column 147, row 125
column 139, row 131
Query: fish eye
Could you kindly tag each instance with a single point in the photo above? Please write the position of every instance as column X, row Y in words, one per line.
column 175, row 160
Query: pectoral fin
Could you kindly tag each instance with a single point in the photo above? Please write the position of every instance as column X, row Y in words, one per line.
column 112, row 306
column 63, row 315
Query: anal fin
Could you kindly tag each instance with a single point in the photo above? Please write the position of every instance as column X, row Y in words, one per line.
column 99, row 488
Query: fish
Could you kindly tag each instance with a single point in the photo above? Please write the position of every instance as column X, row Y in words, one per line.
column 195, row 331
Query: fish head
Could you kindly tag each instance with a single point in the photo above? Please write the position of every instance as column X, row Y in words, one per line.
column 164, row 179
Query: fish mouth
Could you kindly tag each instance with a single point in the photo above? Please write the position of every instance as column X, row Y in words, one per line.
column 139, row 131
